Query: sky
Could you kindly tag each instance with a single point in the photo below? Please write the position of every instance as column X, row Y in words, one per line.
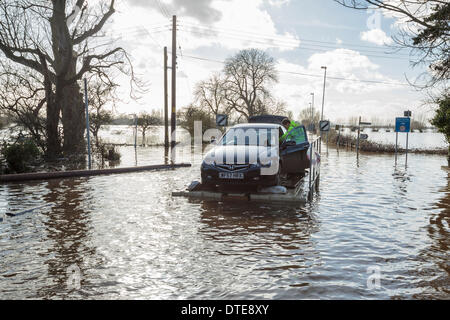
column 302, row 36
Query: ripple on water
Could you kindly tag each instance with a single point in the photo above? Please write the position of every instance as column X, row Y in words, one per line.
column 131, row 239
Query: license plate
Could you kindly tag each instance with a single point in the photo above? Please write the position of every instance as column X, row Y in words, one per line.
column 231, row 175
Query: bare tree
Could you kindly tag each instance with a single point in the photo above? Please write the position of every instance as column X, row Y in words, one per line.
column 210, row 94
column 307, row 118
column 51, row 40
column 22, row 100
column 269, row 105
column 145, row 121
column 248, row 76
column 101, row 95
column 426, row 32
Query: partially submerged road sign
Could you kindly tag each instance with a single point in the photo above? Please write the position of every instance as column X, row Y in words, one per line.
column 222, row 120
column 403, row 124
column 324, row 125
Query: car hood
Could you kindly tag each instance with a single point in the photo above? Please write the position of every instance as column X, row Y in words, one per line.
column 242, row 154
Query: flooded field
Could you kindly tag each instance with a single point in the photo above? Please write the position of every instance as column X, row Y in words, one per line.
column 373, row 231
column 429, row 139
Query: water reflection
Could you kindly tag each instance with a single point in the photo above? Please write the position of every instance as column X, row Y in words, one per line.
column 401, row 179
column 245, row 217
column 273, row 241
column 68, row 231
column 131, row 239
column 436, row 256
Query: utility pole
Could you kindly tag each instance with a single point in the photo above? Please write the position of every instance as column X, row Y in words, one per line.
column 312, row 111
column 87, row 123
column 135, row 130
column 396, row 144
column 166, row 103
column 324, row 84
column 357, row 141
column 323, row 103
column 409, row 115
column 310, row 120
column 174, row 77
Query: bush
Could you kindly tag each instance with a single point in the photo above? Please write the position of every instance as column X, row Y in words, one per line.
column 442, row 120
column 112, row 155
column 20, row 154
column 192, row 113
column 103, row 152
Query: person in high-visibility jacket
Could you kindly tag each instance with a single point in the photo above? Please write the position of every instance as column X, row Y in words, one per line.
column 294, row 132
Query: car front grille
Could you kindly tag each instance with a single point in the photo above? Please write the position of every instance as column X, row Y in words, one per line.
column 233, row 167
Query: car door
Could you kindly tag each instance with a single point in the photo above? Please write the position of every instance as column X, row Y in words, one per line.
column 294, row 152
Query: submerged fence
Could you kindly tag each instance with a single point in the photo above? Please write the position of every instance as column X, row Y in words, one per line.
column 314, row 167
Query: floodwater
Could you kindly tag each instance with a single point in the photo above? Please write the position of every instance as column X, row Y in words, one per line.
column 429, row 139
column 374, row 231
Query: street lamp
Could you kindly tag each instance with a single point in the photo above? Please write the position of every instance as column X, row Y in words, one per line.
column 324, row 83
column 312, row 108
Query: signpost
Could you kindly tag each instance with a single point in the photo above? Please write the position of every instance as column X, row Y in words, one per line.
column 402, row 124
column 361, row 135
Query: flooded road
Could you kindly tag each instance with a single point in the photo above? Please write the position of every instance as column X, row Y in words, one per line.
column 124, row 236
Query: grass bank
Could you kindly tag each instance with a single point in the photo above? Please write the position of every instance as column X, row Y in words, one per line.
column 349, row 142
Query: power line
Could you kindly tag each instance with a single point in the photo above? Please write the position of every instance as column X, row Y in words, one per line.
column 280, row 39
column 240, row 31
column 162, row 9
column 308, row 74
column 272, row 43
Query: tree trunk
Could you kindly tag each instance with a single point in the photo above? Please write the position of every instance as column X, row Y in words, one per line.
column 448, row 156
column 53, row 140
column 73, row 118
column 68, row 97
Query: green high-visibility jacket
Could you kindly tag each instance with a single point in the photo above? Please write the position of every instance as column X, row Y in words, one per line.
column 294, row 133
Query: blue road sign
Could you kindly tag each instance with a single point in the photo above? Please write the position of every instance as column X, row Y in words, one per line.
column 402, row 124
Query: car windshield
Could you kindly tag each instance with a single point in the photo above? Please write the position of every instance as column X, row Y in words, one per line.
column 251, row 137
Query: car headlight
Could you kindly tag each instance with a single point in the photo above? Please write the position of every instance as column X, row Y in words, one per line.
column 265, row 162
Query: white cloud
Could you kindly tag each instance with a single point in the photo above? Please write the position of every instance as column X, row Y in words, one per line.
column 376, row 36
column 278, row 3
column 343, row 97
column 142, row 29
column 245, row 24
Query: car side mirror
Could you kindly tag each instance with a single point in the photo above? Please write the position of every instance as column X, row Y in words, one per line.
column 213, row 140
